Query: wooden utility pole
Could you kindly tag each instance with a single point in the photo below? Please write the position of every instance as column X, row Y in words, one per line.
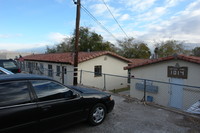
column 78, row 3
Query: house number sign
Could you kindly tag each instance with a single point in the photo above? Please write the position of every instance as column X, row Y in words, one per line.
column 177, row 72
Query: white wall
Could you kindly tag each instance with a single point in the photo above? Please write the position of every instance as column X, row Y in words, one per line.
column 68, row 77
column 110, row 65
column 158, row 71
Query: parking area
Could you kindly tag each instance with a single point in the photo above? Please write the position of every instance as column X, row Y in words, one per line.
column 130, row 116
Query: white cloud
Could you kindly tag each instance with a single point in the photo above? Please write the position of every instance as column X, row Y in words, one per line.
column 171, row 3
column 183, row 28
column 98, row 9
column 101, row 10
column 154, row 14
column 139, row 5
column 53, row 38
column 124, row 17
column 10, row 35
column 150, row 19
column 16, row 46
column 57, row 37
column 194, row 6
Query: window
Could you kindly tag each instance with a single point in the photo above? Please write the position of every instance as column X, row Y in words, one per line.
column 33, row 65
column 41, row 68
column 29, row 64
column 65, row 71
column 9, row 64
column 58, row 70
column 36, row 66
column 97, row 71
column 49, row 90
column 50, row 71
column 13, row 93
column 129, row 76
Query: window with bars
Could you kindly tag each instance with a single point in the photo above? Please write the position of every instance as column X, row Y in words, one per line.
column 58, row 71
column 50, row 71
column 97, row 71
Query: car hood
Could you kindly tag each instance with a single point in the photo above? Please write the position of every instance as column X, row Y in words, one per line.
column 86, row 90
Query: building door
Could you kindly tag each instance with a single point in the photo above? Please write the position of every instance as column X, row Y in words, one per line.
column 176, row 97
column 64, row 75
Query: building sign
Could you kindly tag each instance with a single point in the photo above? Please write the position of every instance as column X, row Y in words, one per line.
column 177, row 72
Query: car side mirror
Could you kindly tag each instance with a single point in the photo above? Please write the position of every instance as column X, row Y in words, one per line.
column 75, row 94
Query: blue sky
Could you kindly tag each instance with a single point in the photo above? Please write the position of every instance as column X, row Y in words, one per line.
column 27, row 24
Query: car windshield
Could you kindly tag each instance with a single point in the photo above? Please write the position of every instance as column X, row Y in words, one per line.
column 9, row 64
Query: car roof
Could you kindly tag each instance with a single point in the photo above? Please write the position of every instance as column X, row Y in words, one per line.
column 7, row 60
column 13, row 77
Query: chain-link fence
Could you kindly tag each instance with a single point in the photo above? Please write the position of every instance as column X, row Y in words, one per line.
column 102, row 81
column 64, row 77
column 168, row 94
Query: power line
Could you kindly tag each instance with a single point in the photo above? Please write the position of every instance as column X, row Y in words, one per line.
column 115, row 19
column 99, row 23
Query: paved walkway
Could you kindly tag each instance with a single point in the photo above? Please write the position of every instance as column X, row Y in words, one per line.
column 126, row 93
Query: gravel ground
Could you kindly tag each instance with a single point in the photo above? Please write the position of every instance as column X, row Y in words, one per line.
column 130, row 116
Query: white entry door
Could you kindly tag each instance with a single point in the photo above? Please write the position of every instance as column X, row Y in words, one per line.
column 176, row 98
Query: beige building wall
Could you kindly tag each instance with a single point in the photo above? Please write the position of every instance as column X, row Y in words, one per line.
column 110, row 65
column 68, row 75
column 158, row 72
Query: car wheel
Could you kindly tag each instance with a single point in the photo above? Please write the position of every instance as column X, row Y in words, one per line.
column 97, row 114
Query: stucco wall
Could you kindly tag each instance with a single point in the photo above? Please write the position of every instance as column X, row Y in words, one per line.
column 110, row 65
column 158, row 72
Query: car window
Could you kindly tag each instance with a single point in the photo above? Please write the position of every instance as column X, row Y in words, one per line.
column 49, row 90
column 13, row 93
column 5, row 71
column 9, row 64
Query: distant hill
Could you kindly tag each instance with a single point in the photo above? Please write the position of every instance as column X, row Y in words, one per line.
column 4, row 54
column 33, row 50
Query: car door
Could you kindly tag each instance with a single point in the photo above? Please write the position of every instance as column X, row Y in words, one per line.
column 18, row 111
column 58, row 105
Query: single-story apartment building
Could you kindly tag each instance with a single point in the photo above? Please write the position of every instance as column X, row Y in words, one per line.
column 162, row 75
column 94, row 68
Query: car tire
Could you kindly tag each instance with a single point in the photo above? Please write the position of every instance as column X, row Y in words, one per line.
column 97, row 114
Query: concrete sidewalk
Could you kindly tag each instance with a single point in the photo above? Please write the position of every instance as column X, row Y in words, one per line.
column 125, row 93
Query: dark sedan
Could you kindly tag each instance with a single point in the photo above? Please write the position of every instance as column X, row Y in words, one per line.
column 10, row 65
column 32, row 103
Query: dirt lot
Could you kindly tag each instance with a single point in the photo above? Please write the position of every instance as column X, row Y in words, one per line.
column 130, row 116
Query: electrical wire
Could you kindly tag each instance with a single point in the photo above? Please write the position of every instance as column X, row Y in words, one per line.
column 99, row 23
column 115, row 19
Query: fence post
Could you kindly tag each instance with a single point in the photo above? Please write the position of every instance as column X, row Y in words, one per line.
column 81, row 77
column 104, row 88
column 144, row 90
